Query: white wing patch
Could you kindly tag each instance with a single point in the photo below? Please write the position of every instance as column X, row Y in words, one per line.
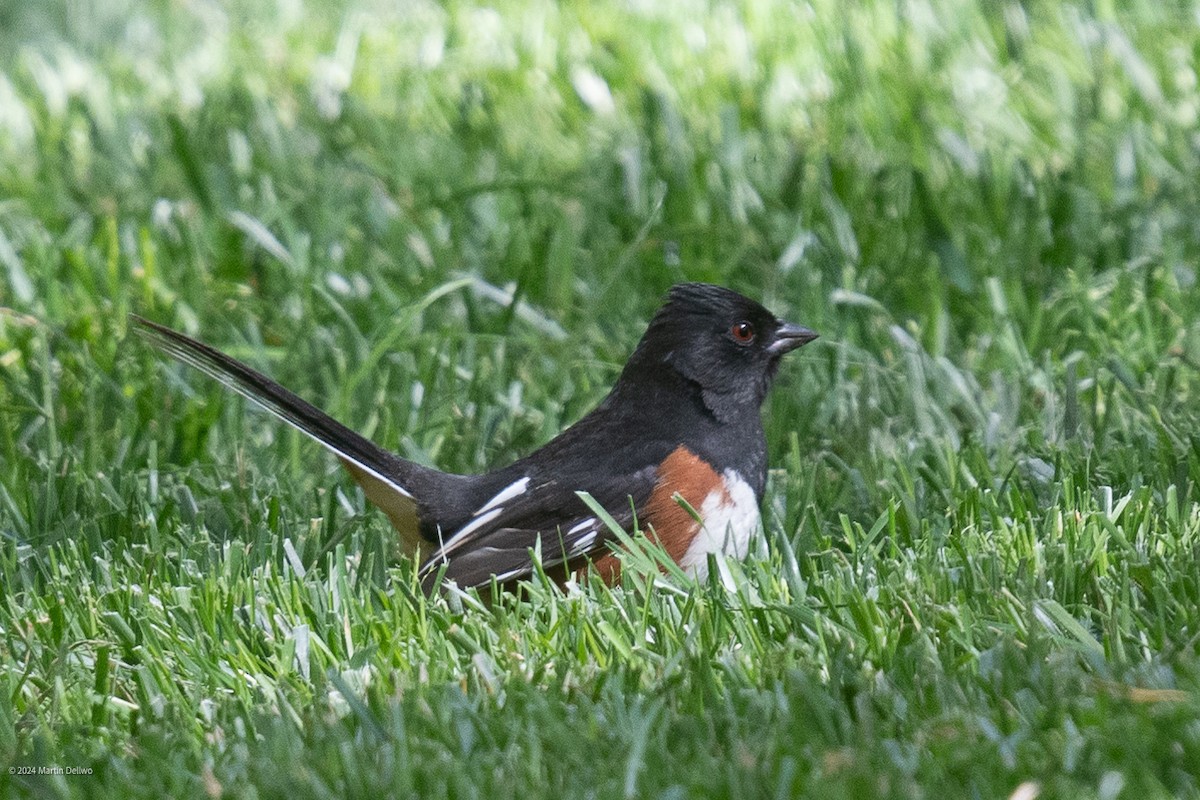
column 514, row 489
column 451, row 544
column 584, row 542
column 587, row 523
column 730, row 518
column 588, row 527
column 482, row 516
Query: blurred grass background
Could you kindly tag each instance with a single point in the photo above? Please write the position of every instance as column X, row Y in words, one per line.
column 447, row 224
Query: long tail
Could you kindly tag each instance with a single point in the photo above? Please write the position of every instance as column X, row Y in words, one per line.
column 385, row 478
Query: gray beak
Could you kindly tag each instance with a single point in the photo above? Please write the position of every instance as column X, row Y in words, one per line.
column 788, row 337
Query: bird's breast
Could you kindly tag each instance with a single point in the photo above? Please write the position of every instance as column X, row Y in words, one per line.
column 729, row 517
column 688, row 487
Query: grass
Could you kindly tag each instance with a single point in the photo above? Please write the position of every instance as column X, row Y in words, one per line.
column 980, row 574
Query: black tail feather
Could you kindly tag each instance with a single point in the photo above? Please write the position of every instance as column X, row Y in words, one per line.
column 386, row 478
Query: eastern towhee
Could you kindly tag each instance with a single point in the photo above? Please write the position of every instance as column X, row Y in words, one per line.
column 680, row 431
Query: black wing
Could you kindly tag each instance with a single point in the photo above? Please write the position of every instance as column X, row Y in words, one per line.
column 546, row 516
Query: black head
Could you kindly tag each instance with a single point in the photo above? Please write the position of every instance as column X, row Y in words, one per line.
column 725, row 344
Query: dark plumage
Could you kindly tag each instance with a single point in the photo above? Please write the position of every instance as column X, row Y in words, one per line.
column 684, row 416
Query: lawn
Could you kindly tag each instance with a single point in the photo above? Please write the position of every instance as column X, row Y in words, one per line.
column 448, row 224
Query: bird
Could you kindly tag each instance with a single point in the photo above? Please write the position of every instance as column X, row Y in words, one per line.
column 676, row 450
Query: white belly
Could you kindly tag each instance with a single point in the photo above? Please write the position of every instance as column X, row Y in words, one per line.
column 730, row 518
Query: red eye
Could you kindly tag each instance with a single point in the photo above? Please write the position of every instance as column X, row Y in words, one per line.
column 742, row 332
